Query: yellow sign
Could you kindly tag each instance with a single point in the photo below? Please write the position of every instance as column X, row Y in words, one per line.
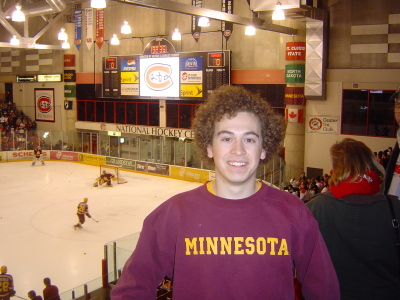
column 49, row 78
column 129, row 77
column 191, row 90
column 92, row 159
column 114, row 133
column 189, row 174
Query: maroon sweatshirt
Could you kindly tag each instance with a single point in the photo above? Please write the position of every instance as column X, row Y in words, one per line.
column 216, row 248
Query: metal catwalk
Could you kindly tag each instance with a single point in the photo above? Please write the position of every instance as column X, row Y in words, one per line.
column 38, row 211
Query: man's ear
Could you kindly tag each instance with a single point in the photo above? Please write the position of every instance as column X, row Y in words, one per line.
column 209, row 151
column 263, row 154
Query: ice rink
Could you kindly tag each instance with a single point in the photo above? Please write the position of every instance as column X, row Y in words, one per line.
column 38, row 211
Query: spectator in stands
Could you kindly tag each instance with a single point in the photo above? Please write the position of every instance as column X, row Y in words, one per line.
column 392, row 180
column 50, row 292
column 354, row 218
column 32, row 295
column 234, row 237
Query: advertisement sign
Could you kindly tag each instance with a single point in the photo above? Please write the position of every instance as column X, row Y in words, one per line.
column 189, row 174
column 25, row 155
column 295, row 73
column 69, row 76
column 122, row 163
column 152, row 168
column 323, row 124
column 64, row 155
column 44, row 105
column 91, row 159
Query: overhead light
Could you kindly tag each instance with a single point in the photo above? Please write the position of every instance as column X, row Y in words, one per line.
column 114, row 40
column 176, row 36
column 62, row 36
column 204, row 22
column 65, row 45
column 18, row 15
column 126, row 29
column 250, row 30
column 98, row 3
column 278, row 14
column 14, row 41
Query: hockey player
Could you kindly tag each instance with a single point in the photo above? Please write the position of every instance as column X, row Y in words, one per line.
column 83, row 209
column 6, row 284
column 105, row 178
column 37, row 155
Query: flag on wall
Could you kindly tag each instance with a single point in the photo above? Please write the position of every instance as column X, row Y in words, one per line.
column 294, row 115
column 196, row 29
column 89, row 27
column 227, row 27
column 100, row 27
column 78, row 28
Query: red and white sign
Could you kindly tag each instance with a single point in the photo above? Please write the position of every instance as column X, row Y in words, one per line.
column 44, row 105
column 64, row 155
column 294, row 115
column 100, row 27
column 296, row 51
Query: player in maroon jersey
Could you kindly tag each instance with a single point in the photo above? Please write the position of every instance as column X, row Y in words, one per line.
column 37, row 156
column 105, row 178
column 6, row 284
column 83, row 209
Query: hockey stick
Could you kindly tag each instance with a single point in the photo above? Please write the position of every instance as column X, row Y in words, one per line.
column 94, row 219
column 19, row 297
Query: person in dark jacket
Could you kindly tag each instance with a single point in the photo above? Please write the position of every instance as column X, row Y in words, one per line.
column 355, row 221
column 50, row 292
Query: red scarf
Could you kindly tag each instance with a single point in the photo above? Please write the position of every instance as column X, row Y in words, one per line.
column 369, row 184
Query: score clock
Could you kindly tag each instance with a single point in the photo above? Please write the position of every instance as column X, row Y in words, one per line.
column 110, row 63
column 216, row 59
column 159, row 46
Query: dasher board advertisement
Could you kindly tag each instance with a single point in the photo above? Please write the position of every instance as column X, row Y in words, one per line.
column 170, row 76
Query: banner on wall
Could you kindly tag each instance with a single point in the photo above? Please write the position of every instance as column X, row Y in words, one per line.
column 100, row 27
column 89, row 27
column 196, row 29
column 69, row 60
column 295, row 73
column 294, row 95
column 296, row 51
column 323, row 124
column 69, row 76
column 69, row 91
column 44, row 105
column 78, row 28
column 227, row 27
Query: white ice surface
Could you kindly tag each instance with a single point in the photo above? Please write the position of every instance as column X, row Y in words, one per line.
column 38, row 211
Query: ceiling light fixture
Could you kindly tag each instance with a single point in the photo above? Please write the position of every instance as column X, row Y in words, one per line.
column 18, row 15
column 62, row 36
column 114, row 40
column 250, row 30
column 14, row 41
column 278, row 14
column 65, row 45
column 204, row 22
column 176, row 36
column 126, row 29
column 98, row 3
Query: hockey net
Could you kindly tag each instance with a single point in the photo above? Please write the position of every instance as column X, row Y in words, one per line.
column 113, row 170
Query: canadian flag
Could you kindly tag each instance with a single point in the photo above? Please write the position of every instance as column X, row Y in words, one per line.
column 294, row 115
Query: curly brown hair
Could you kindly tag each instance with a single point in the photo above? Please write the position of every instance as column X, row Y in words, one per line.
column 228, row 101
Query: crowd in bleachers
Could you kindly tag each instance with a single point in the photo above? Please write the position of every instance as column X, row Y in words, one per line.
column 383, row 156
column 305, row 188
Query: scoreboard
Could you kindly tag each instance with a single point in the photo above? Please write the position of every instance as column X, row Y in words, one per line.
column 162, row 73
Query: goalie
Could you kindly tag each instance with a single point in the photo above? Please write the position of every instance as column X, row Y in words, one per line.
column 37, row 156
column 105, row 178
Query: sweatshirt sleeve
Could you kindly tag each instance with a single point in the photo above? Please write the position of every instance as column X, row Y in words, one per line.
column 151, row 261
column 314, row 268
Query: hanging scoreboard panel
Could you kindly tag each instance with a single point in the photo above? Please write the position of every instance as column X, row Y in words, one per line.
column 158, row 74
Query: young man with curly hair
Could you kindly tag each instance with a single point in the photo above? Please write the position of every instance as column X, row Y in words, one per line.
column 234, row 237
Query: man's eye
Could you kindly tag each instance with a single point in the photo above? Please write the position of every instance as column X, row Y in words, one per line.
column 250, row 140
column 226, row 139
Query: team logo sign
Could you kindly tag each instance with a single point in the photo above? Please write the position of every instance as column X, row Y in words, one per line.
column 158, row 77
column 44, row 104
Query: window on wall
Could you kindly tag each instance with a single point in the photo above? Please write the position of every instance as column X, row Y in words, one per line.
column 368, row 113
column 180, row 115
